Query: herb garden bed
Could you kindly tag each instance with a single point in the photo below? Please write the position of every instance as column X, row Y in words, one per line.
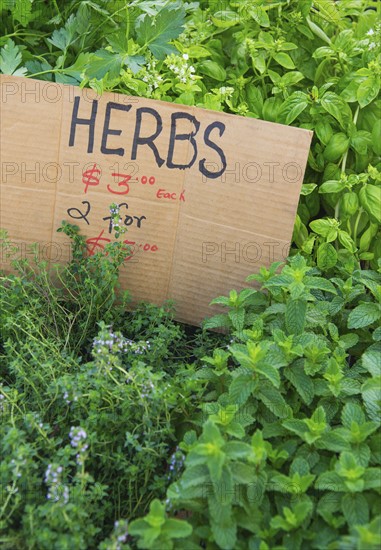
column 123, row 429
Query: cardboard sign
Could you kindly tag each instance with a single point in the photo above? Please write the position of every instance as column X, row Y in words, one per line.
column 207, row 197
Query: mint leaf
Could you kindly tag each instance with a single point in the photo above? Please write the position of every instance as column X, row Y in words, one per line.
column 371, row 360
column 296, row 316
column 371, row 392
column 364, row 315
column 241, row 387
column 355, row 508
column 273, row 400
column 303, row 383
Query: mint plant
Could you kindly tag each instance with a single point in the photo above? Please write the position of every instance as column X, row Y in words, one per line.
column 287, row 454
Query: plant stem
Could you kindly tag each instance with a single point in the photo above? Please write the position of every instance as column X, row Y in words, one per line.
column 357, row 224
column 127, row 29
column 57, row 8
column 43, row 72
column 337, row 209
column 356, row 115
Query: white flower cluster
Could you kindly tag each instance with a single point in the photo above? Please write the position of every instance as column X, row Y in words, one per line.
column 116, row 220
column 57, row 492
column 226, row 92
column 121, row 533
column 374, row 37
column 180, row 67
column 176, row 463
column 151, row 76
column 117, row 342
column 52, row 473
column 16, row 465
column 78, row 436
column 69, row 396
column 146, row 389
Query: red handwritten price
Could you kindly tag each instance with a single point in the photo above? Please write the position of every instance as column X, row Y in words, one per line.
column 135, row 248
column 89, row 178
column 145, row 179
column 123, row 183
column 96, row 243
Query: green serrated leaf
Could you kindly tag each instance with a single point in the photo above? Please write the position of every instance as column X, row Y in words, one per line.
column 10, row 59
column 157, row 32
column 371, row 360
column 371, row 394
column 296, row 316
column 273, row 401
column 303, row 383
column 241, row 388
column 22, row 12
column 355, row 509
column 364, row 315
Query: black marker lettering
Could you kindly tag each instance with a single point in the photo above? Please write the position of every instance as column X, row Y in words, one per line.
column 89, row 122
column 182, row 137
column 212, row 145
column 108, row 132
column 150, row 139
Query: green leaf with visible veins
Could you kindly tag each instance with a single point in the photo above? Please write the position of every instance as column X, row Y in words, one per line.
column 103, row 62
column 371, row 360
column 292, row 107
column 10, row 59
column 296, row 316
column 22, row 12
column 364, row 315
column 157, row 32
column 355, row 508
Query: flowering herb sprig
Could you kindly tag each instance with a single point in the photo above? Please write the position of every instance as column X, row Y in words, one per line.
column 118, row 537
column 116, row 220
column 78, row 437
column 58, row 492
column 108, row 341
column 176, row 464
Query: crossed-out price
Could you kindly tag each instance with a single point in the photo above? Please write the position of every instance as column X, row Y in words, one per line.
column 95, row 244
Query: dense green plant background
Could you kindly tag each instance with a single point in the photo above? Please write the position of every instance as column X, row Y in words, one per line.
column 122, row 430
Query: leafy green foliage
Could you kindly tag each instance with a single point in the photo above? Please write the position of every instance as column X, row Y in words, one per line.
column 287, row 454
column 73, row 359
column 284, row 444
column 156, row 531
column 11, row 59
